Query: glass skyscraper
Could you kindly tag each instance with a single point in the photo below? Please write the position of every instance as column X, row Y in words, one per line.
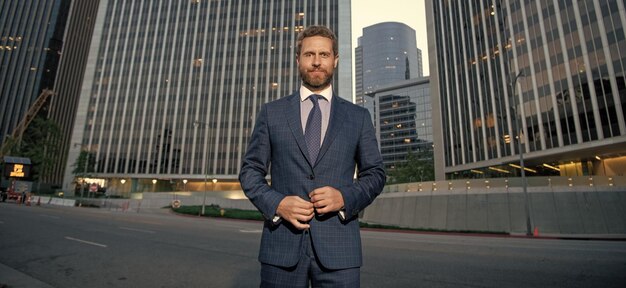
column 554, row 68
column 172, row 88
column 386, row 53
column 403, row 121
column 31, row 34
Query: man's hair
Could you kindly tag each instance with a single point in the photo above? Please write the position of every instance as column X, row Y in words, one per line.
column 322, row 31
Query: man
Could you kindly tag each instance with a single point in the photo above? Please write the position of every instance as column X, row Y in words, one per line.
column 313, row 140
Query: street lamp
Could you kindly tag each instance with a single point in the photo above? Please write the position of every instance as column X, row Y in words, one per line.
column 154, row 181
column 117, row 192
column 184, row 187
column 521, row 152
column 123, row 181
column 197, row 123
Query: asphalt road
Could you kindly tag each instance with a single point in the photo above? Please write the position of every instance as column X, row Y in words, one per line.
column 86, row 247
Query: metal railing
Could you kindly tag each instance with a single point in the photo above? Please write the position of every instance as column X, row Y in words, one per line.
column 504, row 184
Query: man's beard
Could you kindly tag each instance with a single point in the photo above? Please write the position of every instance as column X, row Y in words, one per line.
column 315, row 83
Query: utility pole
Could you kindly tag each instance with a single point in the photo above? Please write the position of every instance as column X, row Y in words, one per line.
column 518, row 127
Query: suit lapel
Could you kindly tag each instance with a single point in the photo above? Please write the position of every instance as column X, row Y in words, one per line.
column 337, row 117
column 295, row 124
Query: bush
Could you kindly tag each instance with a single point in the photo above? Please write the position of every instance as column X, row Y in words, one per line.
column 216, row 211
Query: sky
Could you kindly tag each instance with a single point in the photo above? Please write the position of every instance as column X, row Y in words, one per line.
column 410, row 12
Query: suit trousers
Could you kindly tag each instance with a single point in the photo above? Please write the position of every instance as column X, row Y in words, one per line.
column 308, row 268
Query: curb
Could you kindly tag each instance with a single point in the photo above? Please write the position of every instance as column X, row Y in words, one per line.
column 12, row 278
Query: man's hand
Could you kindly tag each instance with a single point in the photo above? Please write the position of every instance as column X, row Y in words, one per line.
column 296, row 210
column 326, row 199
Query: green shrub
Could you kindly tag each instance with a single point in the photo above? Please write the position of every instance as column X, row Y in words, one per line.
column 216, row 211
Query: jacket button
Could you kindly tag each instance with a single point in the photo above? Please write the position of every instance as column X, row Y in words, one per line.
column 311, row 176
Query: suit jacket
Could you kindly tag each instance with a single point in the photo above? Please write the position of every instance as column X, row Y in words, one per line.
column 278, row 142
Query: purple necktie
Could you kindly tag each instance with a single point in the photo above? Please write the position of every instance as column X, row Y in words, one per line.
column 313, row 132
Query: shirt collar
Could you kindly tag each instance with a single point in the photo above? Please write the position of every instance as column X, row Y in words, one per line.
column 305, row 93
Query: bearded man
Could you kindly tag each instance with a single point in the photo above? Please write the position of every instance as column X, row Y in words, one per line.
column 313, row 140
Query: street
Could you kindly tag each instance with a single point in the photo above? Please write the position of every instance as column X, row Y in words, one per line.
column 87, row 247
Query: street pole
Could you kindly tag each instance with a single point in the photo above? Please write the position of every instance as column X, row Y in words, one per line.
column 521, row 153
column 184, row 187
column 204, row 197
column 196, row 123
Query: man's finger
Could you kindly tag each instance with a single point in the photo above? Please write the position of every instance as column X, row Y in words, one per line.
column 299, row 225
column 304, row 212
column 302, row 218
column 320, row 203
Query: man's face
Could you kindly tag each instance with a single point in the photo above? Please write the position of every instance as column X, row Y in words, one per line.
column 317, row 62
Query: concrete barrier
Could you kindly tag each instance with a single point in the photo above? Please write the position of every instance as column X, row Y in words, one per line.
column 46, row 200
column 155, row 200
column 553, row 210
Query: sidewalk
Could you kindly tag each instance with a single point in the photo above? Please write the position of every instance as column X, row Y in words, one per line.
column 11, row 278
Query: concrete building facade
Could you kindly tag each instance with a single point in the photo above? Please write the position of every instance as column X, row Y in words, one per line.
column 553, row 68
column 172, row 88
column 77, row 35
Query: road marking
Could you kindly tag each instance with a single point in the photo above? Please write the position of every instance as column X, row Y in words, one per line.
column 251, row 231
column 86, row 242
column 50, row 216
column 137, row 230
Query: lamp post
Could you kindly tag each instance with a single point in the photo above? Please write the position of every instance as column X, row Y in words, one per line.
column 518, row 127
column 196, row 123
column 123, row 181
column 184, row 187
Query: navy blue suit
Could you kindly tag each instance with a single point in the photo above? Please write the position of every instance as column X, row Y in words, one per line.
column 278, row 142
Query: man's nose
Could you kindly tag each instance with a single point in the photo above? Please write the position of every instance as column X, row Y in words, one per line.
column 317, row 60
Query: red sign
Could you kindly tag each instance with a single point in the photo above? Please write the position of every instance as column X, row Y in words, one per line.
column 93, row 187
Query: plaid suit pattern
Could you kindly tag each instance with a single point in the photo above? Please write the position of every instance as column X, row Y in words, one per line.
column 278, row 141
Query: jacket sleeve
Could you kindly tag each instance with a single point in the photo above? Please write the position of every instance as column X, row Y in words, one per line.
column 255, row 168
column 370, row 171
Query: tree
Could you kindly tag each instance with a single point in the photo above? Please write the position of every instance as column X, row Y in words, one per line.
column 83, row 167
column 40, row 143
column 418, row 168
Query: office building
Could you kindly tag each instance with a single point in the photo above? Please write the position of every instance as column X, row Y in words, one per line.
column 553, row 68
column 403, row 121
column 31, row 34
column 386, row 53
column 67, row 86
column 172, row 88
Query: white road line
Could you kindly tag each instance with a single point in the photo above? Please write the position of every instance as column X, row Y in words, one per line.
column 251, row 231
column 86, row 242
column 137, row 230
column 50, row 216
